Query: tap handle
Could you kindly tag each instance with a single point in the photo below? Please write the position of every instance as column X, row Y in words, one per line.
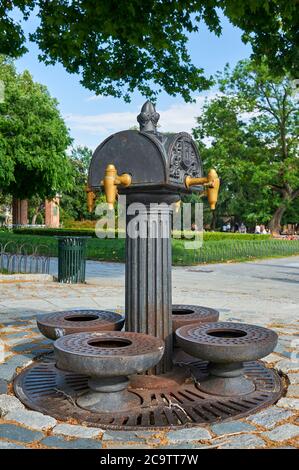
column 111, row 181
column 210, row 182
column 213, row 189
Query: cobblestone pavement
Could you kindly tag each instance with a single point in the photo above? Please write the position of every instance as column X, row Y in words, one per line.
column 264, row 293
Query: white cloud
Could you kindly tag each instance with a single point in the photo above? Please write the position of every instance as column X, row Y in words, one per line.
column 176, row 118
column 101, row 123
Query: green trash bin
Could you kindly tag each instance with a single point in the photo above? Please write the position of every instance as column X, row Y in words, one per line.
column 71, row 259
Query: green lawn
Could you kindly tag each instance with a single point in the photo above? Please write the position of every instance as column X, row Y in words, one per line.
column 212, row 251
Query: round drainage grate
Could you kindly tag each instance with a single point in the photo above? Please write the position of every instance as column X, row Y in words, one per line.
column 56, row 324
column 192, row 314
column 174, row 402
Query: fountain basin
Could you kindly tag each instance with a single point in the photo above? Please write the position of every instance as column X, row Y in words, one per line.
column 56, row 324
column 226, row 346
column 192, row 314
column 108, row 358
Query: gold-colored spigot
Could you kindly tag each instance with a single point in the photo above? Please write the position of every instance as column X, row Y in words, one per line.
column 111, row 181
column 212, row 184
column 91, row 197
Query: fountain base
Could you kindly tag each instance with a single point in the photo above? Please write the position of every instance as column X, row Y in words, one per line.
column 171, row 400
column 107, row 395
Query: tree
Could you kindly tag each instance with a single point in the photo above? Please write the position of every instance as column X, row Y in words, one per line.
column 73, row 201
column 254, row 128
column 122, row 46
column 33, row 138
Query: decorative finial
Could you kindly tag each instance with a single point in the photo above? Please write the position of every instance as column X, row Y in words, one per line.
column 148, row 117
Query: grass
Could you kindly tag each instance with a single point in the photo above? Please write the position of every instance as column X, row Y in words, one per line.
column 222, row 250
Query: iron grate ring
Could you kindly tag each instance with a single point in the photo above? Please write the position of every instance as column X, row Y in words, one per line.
column 45, row 388
column 252, row 333
column 82, row 344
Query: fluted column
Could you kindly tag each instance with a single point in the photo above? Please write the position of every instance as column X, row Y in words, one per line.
column 148, row 277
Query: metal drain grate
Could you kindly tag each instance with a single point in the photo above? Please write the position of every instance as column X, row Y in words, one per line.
column 45, row 388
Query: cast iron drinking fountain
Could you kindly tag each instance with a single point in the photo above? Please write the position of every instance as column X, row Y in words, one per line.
column 137, row 379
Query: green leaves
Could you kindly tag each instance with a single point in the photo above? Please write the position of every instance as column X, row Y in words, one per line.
column 254, row 132
column 118, row 47
column 33, row 138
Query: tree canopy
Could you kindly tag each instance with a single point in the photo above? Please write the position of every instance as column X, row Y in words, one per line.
column 73, row 201
column 33, row 138
column 122, row 46
column 253, row 132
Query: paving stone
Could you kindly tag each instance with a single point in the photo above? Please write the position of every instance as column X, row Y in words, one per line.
column 243, row 441
column 272, row 358
column 3, row 386
column 270, row 417
column 283, row 433
column 293, row 378
column 9, row 403
column 293, row 391
column 32, row 419
column 18, row 433
column 76, row 431
column 286, row 331
column 291, row 403
column 32, row 347
column 287, row 366
column 124, row 436
column 8, row 368
column 10, row 445
column 192, row 434
column 60, row 443
column 19, row 334
column 5, row 356
column 8, row 329
column 14, row 341
column 231, row 427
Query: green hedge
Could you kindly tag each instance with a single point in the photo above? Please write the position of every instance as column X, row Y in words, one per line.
column 207, row 236
column 210, row 252
column 55, row 232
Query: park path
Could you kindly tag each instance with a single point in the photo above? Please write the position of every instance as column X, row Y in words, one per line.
column 264, row 292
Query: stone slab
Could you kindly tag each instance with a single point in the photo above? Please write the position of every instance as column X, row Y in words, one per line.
column 31, row 419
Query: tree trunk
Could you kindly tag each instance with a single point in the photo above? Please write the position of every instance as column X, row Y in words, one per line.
column 34, row 217
column 214, row 219
column 33, row 220
column 275, row 223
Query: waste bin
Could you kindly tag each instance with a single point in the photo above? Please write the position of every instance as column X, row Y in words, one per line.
column 71, row 259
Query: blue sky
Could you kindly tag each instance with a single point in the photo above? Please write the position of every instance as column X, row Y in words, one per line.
column 91, row 119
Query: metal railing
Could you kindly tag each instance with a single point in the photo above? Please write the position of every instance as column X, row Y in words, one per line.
column 23, row 258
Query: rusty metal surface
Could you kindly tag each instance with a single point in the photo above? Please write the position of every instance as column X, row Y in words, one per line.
column 126, row 344
column 192, row 314
column 227, row 341
column 108, row 354
column 176, row 404
column 227, row 346
column 56, row 324
column 148, row 280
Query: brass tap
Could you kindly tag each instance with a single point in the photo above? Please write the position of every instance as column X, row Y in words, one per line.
column 211, row 183
column 91, row 197
column 111, row 181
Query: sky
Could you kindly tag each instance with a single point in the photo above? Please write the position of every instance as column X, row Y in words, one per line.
column 91, row 119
